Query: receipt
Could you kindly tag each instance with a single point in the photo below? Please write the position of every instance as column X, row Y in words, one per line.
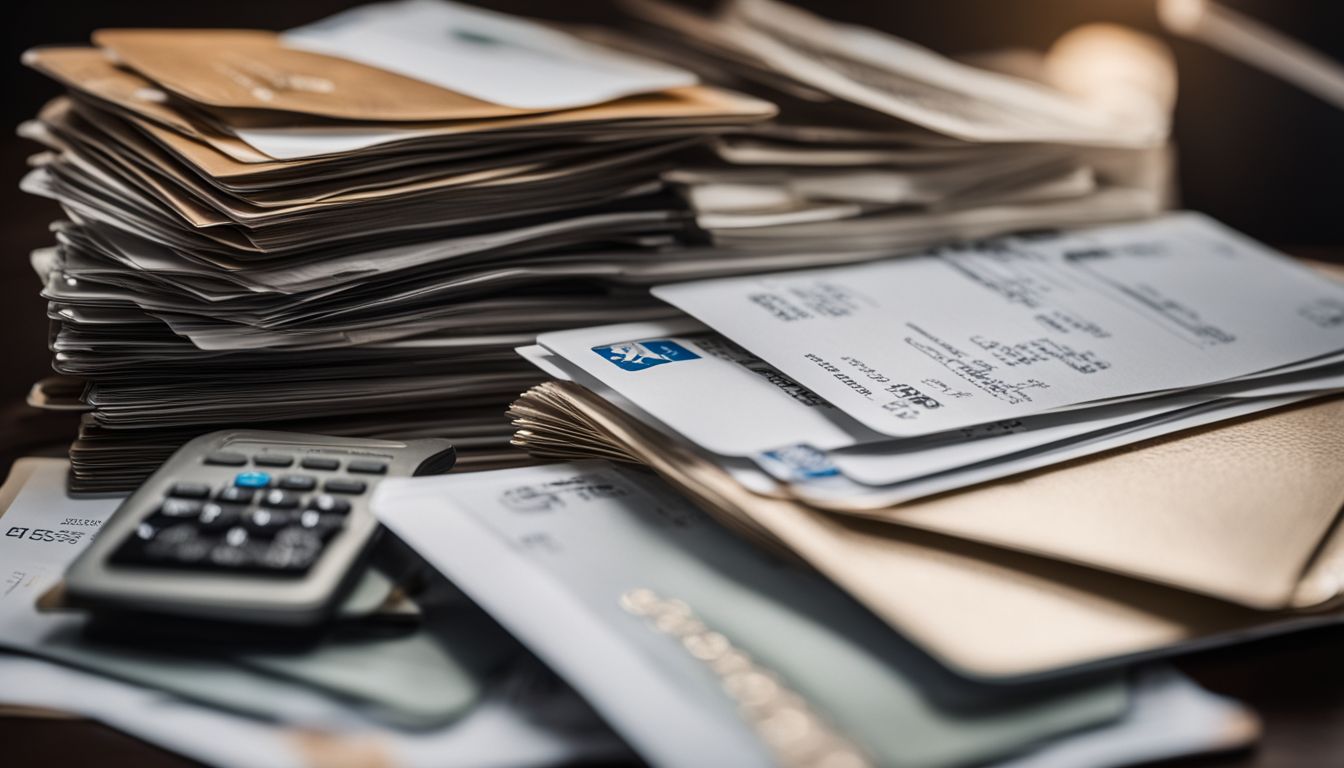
column 37, row 543
column 1009, row 328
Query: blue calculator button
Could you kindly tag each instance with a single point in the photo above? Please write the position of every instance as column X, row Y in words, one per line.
column 252, row 480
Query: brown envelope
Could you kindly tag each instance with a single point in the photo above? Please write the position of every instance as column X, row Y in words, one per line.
column 251, row 69
column 202, row 142
column 88, row 71
column 1236, row 511
column 983, row 610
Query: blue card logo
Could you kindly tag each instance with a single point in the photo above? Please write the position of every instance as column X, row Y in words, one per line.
column 639, row 355
column 799, row 462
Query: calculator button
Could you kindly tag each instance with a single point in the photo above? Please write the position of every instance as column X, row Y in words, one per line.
column 236, row 537
column 280, row 499
column 180, row 544
column 319, row 462
column 324, row 524
column 218, row 518
column 343, row 485
column 240, row 556
column 180, row 508
column 327, row 503
column 226, row 459
column 235, row 495
column 237, row 551
column 190, row 490
column 272, row 460
column 263, row 523
column 294, row 550
column 252, row 480
column 162, row 542
column 146, row 531
column 366, row 467
column 298, row 482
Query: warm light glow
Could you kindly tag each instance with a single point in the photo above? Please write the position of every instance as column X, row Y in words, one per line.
column 1182, row 16
column 1117, row 71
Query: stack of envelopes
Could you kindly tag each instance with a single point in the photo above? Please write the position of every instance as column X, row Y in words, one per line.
column 347, row 227
column 864, row 418
column 861, row 386
column 883, row 144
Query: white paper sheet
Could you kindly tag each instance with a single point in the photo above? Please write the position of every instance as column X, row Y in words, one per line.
column 489, row 56
column 555, row 551
column 1021, row 326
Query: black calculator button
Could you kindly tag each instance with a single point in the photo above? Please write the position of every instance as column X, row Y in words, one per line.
column 294, row 550
column 181, row 508
column 263, row 523
column 272, row 460
column 235, row 495
column 218, row 518
column 324, row 524
column 226, row 459
column 146, row 531
column 178, row 544
column 192, row 552
column 367, row 467
column 190, row 490
column 327, row 503
column 298, row 482
column 278, row 499
column 319, row 462
column 344, row 485
column 228, row 556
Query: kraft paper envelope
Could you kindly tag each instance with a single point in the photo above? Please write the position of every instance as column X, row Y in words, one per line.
column 218, row 155
column 996, row 613
column 1237, row 512
column 252, row 69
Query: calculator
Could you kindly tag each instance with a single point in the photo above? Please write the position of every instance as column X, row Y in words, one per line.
column 250, row 527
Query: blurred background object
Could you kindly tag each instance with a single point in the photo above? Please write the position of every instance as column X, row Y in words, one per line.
column 1257, row 44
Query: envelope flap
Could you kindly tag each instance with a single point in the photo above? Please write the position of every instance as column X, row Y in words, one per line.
column 252, row 69
column 1235, row 511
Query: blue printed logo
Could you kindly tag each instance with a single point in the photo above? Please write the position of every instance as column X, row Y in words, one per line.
column 638, row 355
column 799, row 462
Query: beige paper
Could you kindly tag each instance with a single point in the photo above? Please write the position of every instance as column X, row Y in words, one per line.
column 983, row 610
column 251, row 69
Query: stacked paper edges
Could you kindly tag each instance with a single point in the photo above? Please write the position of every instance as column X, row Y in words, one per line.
column 345, row 228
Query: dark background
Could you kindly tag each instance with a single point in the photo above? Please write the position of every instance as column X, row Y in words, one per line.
column 1254, row 152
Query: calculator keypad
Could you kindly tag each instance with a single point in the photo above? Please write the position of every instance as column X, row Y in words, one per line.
column 254, row 523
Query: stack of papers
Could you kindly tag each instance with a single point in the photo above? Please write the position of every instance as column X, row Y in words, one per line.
column 859, row 387
column 347, row 227
column 878, row 421
column 882, row 144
